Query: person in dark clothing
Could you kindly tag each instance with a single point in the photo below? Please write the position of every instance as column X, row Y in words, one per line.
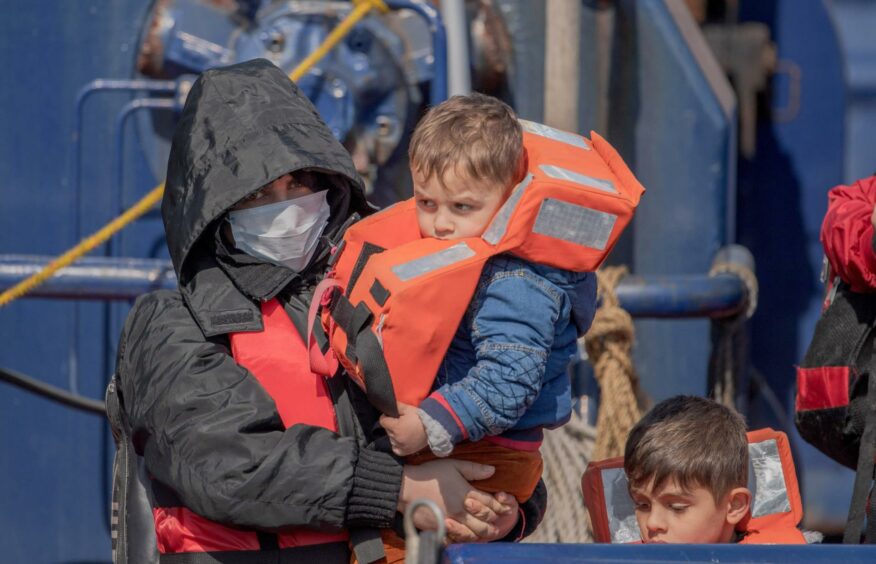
column 229, row 447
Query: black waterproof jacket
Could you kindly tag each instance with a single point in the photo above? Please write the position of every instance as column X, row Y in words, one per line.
column 193, row 427
column 205, row 429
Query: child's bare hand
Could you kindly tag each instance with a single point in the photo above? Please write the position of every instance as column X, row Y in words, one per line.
column 489, row 508
column 406, row 432
column 499, row 511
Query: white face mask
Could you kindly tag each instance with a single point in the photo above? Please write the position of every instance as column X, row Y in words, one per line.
column 285, row 233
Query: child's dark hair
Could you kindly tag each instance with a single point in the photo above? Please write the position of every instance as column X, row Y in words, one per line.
column 692, row 441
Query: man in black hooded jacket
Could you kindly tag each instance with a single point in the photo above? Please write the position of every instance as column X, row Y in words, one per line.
column 208, row 467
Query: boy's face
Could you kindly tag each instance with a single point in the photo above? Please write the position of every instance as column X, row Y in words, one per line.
column 676, row 515
column 463, row 209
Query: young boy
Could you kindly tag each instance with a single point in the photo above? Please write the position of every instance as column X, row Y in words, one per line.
column 686, row 462
column 504, row 377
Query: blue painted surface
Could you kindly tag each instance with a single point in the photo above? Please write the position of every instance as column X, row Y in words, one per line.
column 668, row 123
column 828, row 140
column 54, row 461
column 606, row 553
column 855, row 21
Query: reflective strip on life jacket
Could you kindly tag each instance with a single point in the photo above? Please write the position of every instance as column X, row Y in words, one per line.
column 552, row 133
column 404, row 296
column 776, row 508
column 278, row 359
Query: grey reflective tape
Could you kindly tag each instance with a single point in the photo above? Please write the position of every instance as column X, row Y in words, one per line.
column 574, row 223
column 430, row 263
column 766, row 480
column 497, row 228
column 553, row 133
column 619, row 507
column 566, row 174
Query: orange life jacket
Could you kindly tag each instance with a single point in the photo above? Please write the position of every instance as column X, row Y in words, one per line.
column 277, row 358
column 775, row 512
column 404, row 296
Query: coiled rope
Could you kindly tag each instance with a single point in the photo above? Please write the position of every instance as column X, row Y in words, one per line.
column 566, row 452
column 609, row 344
column 361, row 9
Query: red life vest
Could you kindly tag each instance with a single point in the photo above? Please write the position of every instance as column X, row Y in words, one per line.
column 404, row 296
column 277, row 358
column 776, row 508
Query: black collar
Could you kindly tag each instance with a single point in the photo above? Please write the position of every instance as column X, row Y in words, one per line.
column 254, row 277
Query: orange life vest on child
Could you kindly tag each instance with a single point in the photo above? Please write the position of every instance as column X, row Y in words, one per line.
column 404, row 296
column 776, row 509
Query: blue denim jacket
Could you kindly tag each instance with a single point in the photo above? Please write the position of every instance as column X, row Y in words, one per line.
column 505, row 372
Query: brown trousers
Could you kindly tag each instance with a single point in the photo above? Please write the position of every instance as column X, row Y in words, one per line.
column 517, row 473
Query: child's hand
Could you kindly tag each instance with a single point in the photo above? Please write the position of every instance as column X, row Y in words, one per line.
column 499, row 510
column 406, row 432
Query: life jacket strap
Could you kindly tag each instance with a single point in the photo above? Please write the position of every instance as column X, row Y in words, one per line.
column 368, row 249
column 367, row 545
column 378, row 384
column 365, row 351
column 324, row 364
column 864, row 478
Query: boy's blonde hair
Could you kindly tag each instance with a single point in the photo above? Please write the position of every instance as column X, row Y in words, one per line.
column 691, row 440
column 475, row 135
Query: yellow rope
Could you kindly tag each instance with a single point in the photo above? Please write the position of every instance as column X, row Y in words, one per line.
column 84, row 246
column 609, row 344
column 343, row 28
column 361, row 9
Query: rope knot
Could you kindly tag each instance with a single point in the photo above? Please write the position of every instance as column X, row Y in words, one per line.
column 609, row 343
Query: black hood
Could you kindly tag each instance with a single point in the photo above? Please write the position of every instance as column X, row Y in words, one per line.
column 242, row 127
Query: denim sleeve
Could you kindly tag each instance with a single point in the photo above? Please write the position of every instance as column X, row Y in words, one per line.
column 512, row 334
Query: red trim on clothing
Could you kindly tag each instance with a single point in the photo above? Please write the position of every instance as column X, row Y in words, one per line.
column 307, row 537
column 181, row 530
column 822, row 388
column 522, row 520
column 527, row 446
column 443, row 402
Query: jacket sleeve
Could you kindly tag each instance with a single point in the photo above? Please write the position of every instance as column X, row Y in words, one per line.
column 512, row 334
column 847, row 234
column 208, row 430
column 583, row 298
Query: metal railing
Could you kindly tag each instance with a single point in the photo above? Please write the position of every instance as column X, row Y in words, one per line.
column 681, row 296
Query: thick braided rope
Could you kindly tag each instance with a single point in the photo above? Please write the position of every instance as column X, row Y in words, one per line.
column 566, row 452
column 609, row 343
